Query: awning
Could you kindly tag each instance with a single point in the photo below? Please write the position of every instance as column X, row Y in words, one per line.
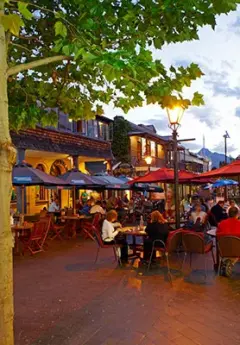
column 95, row 167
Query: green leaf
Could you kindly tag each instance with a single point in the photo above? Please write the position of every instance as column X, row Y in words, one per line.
column 66, row 50
column 197, row 99
column 22, row 7
column 12, row 23
column 60, row 29
column 89, row 57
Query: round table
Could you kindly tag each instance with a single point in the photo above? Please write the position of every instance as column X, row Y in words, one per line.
column 18, row 231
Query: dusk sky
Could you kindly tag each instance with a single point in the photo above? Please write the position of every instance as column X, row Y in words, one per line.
column 217, row 53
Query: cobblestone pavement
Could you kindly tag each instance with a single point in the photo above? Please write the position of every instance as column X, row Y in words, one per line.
column 62, row 298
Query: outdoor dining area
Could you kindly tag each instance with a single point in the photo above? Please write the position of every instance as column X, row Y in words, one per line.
column 135, row 225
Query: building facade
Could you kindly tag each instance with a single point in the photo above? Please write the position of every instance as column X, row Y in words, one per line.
column 83, row 144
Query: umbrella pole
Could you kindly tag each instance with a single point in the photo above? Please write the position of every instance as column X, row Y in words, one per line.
column 74, row 199
column 22, row 194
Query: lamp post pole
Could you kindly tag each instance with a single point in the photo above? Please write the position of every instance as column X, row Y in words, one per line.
column 226, row 136
column 175, row 114
column 176, row 179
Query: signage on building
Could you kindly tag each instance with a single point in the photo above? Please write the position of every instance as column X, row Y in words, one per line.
column 78, row 181
column 23, row 179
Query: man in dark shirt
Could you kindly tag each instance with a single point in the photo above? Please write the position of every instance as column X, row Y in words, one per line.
column 218, row 213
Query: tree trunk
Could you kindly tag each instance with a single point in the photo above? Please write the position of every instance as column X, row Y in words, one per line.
column 7, row 157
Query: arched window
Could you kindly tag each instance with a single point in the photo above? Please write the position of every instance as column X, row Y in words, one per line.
column 40, row 190
column 58, row 168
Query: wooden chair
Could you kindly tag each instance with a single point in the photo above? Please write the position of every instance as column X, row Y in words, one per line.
column 229, row 247
column 34, row 243
column 193, row 243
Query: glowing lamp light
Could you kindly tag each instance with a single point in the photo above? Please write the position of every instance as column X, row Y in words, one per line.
column 70, row 120
column 175, row 115
column 148, row 160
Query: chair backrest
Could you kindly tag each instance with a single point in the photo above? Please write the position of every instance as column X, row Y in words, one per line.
column 69, row 212
column 47, row 221
column 39, row 229
column 193, row 243
column 174, row 241
column 97, row 237
column 229, row 246
column 97, row 220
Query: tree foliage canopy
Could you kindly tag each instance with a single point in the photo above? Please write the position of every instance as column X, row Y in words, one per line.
column 120, row 143
column 77, row 55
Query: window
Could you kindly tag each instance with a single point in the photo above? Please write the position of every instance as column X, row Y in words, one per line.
column 148, row 148
column 95, row 129
column 103, row 131
column 139, row 149
column 153, row 148
column 90, row 129
column 144, row 147
column 40, row 191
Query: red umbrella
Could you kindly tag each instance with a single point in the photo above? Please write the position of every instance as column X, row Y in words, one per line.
column 232, row 169
column 164, row 175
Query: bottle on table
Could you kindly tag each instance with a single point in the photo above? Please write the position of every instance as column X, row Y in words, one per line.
column 141, row 224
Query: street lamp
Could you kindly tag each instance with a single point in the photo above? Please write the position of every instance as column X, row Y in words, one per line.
column 226, row 136
column 148, row 160
column 175, row 115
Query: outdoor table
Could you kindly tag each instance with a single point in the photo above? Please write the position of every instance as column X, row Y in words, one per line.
column 72, row 220
column 18, row 231
column 213, row 234
column 134, row 233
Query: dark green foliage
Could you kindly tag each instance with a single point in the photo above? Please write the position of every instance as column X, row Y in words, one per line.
column 107, row 47
column 120, row 143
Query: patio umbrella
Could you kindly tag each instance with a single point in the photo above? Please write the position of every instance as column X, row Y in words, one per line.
column 24, row 174
column 111, row 182
column 232, row 169
column 222, row 183
column 147, row 187
column 165, row 175
column 76, row 178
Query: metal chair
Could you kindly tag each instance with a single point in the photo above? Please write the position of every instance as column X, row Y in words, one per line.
column 97, row 238
column 173, row 242
column 193, row 243
column 229, row 247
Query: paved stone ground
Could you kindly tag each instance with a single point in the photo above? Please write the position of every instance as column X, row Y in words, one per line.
column 62, row 298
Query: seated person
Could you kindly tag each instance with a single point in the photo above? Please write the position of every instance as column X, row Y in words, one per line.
column 97, row 208
column 111, row 236
column 157, row 229
column 230, row 226
column 53, row 207
column 218, row 212
column 198, row 216
column 86, row 208
column 232, row 203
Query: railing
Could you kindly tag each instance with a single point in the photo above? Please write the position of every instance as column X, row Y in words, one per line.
column 156, row 162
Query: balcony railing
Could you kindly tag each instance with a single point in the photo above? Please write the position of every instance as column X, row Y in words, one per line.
column 156, row 162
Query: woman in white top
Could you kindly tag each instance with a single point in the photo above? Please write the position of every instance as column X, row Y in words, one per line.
column 198, row 214
column 110, row 234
